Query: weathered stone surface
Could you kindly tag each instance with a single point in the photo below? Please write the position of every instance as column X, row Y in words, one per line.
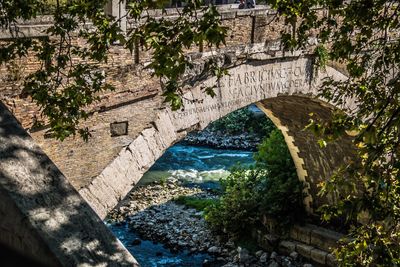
column 331, row 260
column 325, row 239
column 301, row 233
column 304, row 250
column 43, row 216
column 318, row 255
column 286, row 247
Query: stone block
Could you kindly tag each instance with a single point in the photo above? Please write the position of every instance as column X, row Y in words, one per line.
column 325, row 239
column 270, row 224
column 318, row 255
column 331, row 260
column 141, row 147
column 103, row 192
column 166, row 128
column 293, row 233
column 93, row 202
column 228, row 15
column 286, row 247
column 304, row 250
column 301, row 234
column 155, row 146
column 269, row 242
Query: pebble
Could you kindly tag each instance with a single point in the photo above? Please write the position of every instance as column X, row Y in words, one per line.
column 273, row 264
column 214, row 250
column 264, row 257
column 294, row 255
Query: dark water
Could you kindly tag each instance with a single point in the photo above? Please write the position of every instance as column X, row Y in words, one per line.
column 199, row 165
column 149, row 254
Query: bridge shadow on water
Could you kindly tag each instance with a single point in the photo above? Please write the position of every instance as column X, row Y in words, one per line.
column 43, row 219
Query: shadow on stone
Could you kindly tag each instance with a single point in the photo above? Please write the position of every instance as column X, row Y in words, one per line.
column 43, row 217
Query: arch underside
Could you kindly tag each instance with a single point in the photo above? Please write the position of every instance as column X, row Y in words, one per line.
column 314, row 164
column 285, row 89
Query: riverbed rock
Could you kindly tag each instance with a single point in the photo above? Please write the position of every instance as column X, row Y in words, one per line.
column 273, row 264
column 230, row 264
column 214, row 250
column 243, row 255
column 294, row 255
column 264, row 257
column 259, row 253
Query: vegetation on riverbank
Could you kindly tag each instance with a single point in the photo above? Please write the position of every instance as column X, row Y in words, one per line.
column 197, row 203
column 271, row 187
column 242, row 129
column 243, row 121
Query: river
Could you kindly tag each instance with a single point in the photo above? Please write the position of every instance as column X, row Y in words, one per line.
column 195, row 165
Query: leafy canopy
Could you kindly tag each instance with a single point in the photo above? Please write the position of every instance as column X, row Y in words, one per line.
column 362, row 36
column 69, row 79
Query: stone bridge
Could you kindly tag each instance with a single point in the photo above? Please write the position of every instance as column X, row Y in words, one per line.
column 132, row 127
column 283, row 87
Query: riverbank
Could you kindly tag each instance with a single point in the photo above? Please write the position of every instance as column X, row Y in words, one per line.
column 221, row 140
column 242, row 129
column 151, row 213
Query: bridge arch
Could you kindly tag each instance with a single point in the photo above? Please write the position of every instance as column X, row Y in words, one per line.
column 285, row 89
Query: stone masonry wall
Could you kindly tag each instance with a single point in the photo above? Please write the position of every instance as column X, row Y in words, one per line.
column 42, row 216
column 314, row 243
column 81, row 161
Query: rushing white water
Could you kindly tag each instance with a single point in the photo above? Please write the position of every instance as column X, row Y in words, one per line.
column 196, row 164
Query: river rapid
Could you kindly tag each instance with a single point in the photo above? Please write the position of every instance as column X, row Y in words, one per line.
column 199, row 165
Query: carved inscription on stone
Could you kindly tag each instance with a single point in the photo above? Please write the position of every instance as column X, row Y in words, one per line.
column 248, row 84
column 266, row 80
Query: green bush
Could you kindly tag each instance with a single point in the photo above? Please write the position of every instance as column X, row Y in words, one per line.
column 281, row 192
column 243, row 121
column 270, row 187
column 237, row 208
